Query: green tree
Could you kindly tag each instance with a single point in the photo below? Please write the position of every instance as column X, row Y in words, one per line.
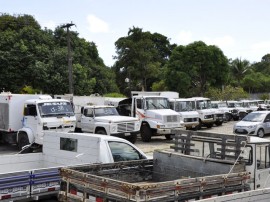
column 140, row 57
column 239, row 69
column 192, row 68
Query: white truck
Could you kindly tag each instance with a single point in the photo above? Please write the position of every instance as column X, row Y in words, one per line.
column 153, row 110
column 102, row 119
column 189, row 117
column 206, row 113
column 24, row 118
column 34, row 175
column 198, row 166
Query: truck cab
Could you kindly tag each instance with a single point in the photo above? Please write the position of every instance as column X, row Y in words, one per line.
column 189, row 117
column 206, row 113
column 105, row 119
column 44, row 114
column 154, row 113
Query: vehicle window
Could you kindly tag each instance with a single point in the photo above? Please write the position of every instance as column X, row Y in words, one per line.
column 139, row 103
column 68, row 144
column 267, row 118
column 254, row 117
column 262, row 153
column 106, row 111
column 246, row 155
column 88, row 112
column 30, row 110
column 124, row 152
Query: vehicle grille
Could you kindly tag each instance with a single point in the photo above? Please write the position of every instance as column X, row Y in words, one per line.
column 190, row 119
column 242, row 131
column 172, row 118
column 125, row 127
column 234, row 111
column 218, row 115
column 209, row 116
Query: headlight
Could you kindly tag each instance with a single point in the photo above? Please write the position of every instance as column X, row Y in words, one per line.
column 251, row 127
column 137, row 126
column 113, row 128
column 160, row 126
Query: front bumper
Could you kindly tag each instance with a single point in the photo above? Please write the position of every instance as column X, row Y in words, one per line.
column 245, row 131
column 125, row 134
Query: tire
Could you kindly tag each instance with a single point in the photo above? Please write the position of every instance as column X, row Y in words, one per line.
column 132, row 138
column 236, row 118
column 23, row 141
column 209, row 125
column 168, row 136
column 228, row 117
column 101, row 132
column 260, row 133
column 146, row 133
column 218, row 123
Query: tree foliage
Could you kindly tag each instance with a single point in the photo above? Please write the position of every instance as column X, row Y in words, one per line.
column 192, row 68
column 36, row 58
column 140, row 57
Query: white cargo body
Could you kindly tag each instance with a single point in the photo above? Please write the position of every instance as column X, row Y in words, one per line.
column 25, row 117
column 11, row 110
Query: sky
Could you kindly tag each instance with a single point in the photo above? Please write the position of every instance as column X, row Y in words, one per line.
column 240, row 28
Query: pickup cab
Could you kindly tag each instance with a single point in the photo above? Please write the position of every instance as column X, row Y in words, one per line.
column 105, row 119
column 34, row 175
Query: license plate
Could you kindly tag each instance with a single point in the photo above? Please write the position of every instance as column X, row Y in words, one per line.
column 127, row 134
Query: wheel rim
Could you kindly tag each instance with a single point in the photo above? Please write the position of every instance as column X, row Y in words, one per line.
column 260, row 133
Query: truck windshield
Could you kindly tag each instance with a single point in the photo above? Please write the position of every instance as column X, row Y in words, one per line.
column 157, row 103
column 183, row 106
column 203, row 104
column 106, row 111
column 235, row 104
column 61, row 108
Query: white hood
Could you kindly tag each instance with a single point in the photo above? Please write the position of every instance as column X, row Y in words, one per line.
column 115, row 119
column 190, row 114
column 163, row 112
column 244, row 124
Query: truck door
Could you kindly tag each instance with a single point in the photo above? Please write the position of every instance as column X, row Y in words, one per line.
column 262, row 171
column 87, row 120
column 30, row 119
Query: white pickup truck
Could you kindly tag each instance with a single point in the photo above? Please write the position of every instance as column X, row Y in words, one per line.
column 33, row 175
column 104, row 119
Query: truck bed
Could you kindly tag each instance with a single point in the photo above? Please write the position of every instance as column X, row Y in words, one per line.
column 149, row 180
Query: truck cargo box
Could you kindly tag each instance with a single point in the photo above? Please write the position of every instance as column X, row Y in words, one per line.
column 149, row 180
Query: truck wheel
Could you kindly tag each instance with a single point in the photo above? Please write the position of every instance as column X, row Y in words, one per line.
column 22, row 141
column 101, row 131
column 260, row 133
column 132, row 138
column 219, row 123
column 168, row 136
column 146, row 133
column 209, row 125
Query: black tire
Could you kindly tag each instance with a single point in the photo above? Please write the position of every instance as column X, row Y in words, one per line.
column 199, row 127
column 236, row 118
column 228, row 117
column 146, row 133
column 209, row 125
column 218, row 123
column 101, row 132
column 23, row 141
column 132, row 138
column 168, row 136
column 260, row 133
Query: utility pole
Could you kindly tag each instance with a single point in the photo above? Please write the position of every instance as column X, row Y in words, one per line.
column 70, row 72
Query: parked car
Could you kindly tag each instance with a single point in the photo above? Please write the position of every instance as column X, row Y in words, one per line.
column 255, row 123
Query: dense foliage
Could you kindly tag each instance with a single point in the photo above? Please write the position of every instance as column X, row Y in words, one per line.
column 35, row 60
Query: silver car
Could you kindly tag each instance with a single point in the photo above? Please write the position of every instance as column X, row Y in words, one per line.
column 255, row 123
